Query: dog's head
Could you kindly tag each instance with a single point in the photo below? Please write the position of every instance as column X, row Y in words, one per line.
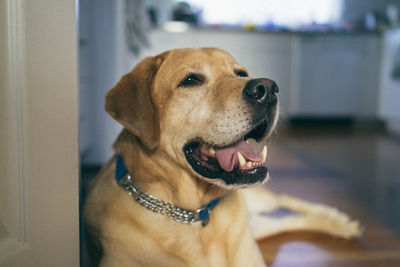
column 199, row 106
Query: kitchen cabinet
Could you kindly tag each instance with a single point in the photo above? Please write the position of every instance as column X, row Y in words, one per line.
column 337, row 76
column 389, row 98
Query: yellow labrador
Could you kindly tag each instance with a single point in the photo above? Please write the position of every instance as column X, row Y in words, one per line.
column 169, row 197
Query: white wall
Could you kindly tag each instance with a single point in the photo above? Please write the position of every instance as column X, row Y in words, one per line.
column 104, row 58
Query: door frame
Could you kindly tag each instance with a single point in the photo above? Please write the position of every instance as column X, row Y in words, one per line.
column 39, row 187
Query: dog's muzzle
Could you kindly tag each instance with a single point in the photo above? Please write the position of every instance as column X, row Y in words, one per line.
column 239, row 164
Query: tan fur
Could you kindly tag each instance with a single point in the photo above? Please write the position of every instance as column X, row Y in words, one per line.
column 151, row 147
column 305, row 216
column 160, row 117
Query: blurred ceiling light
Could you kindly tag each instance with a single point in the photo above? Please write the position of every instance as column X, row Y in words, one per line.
column 176, row 26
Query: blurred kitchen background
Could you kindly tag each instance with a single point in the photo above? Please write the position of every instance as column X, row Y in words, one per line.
column 332, row 59
column 336, row 62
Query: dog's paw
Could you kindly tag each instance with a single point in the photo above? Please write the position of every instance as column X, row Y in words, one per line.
column 338, row 224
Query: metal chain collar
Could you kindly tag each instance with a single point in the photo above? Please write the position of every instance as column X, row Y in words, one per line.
column 159, row 206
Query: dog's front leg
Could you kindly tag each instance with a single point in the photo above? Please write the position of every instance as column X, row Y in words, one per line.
column 264, row 207
column 264, row 226
column 303, row 216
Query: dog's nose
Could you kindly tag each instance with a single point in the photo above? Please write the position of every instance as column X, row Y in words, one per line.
column 262, row 91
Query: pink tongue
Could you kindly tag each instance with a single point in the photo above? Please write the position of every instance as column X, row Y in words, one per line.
column 227, row 157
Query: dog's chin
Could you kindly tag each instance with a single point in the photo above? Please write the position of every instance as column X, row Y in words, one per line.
column 249, row 171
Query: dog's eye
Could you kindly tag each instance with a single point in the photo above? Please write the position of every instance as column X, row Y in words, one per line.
column 191, row 80
column 241, row 73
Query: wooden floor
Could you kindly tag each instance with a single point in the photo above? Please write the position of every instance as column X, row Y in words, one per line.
column 356, row 171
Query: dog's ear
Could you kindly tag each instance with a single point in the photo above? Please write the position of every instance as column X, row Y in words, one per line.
column 130, row 102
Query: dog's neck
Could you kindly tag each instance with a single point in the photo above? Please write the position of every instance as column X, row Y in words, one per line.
column 155, row 174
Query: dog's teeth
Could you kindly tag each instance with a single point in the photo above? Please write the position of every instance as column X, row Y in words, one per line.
column 265, row 151
column 242, row 161
column 249, row 164
column 212, row 151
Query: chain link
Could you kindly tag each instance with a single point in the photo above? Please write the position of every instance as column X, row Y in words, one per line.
column 159, row 206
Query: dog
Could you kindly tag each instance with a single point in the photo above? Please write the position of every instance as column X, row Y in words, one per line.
column 174, row 193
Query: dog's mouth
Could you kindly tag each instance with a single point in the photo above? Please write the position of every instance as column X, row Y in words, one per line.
column 238, row 164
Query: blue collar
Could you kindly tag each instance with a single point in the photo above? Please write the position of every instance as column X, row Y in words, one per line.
column 202, row 214
column 120, row 170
